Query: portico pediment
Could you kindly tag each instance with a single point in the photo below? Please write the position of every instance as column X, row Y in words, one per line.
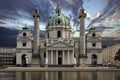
column 24, row 39
column 94, row 39
column 60, row 45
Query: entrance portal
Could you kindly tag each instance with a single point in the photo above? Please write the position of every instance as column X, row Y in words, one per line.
column 94, row 60
column 24, row 61
column 59, row 57
column 59, row 60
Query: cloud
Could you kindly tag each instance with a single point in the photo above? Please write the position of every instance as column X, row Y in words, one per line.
column 21, row 10
column 89, row 17
column 16, row 14
column 98, row 14
column 111, row 10
column 111, row 32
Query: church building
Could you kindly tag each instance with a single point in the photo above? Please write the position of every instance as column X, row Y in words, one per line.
column 59, row 48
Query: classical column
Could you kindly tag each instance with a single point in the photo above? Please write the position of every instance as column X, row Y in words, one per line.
column 46, row 62
column 51, row 56
column 73, row 58
column 82, row 15
column 63, row 61
column 36, row 16
column 68, row 56
column 56, row 57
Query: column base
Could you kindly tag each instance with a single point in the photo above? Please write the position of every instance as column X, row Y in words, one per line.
column 75, row 65
column 46, row 65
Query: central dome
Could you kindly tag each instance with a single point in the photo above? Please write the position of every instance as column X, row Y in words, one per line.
column 58, row 19
column 58, row 26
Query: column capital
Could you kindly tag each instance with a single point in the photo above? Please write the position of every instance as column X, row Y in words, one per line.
column 36, row 12
column 82, row 14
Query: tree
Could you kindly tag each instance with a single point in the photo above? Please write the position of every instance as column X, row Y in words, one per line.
column 117, row 56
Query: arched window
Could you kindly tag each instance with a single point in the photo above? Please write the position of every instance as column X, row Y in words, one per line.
column 93, row 35
column 24, row 34
column 44, row 55
column 45, row 44
column 94, row 56
column 24, row 44
column 58, row 21
column 59, row 34
column 93, row 44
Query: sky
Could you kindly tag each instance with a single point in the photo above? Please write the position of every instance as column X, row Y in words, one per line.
column 103, row 14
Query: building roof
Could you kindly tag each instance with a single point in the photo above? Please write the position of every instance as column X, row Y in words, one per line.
column 25, row 28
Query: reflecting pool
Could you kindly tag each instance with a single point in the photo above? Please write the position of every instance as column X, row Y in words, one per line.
column 59, row 75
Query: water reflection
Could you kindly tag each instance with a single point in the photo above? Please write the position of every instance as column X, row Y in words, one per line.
column 60, row 76
column 94, row 75
column 23, row 76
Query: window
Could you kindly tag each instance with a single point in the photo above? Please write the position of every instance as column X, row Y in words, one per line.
column 44, row 44
column 58, row 21
column 24, row 34
column 94, row 44
column 74, row 55
column 48, row 35
column 24, row 44
column 69, row 35
column 93, row 35
column 44, row 55
column 36, row 11
column 58, row 34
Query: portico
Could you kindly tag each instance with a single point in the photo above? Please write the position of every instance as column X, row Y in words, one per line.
column 60, row 56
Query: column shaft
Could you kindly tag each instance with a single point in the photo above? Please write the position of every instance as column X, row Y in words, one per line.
column 51, row 56
column 68, row 57
column 56, row 57
column 63, row 61
column 73, row 57
column 47, row 57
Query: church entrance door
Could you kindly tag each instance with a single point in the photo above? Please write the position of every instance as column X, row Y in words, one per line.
column 24, row 61
column 59, row 60
column 59, row 57
column 94, row 60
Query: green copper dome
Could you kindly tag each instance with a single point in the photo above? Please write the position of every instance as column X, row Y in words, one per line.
column 58, row 19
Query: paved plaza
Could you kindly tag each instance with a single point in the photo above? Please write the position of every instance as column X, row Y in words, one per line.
column 69, row 69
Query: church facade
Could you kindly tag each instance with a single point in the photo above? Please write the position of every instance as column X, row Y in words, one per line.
column 59, row 48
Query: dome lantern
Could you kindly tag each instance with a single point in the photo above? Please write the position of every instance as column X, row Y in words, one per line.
column 58, row 9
